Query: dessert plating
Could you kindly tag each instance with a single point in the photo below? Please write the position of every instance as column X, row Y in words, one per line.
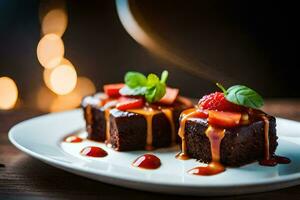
column 228, row 129
column 140, row 114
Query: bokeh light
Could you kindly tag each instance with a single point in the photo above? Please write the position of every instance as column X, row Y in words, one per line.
column 48, row 5
column 8, row 93
column 47, row 72
column 48, row 101
column 50, row 50
column 46, row 77
column 84, row 87
column 55, row 21
column 44, row 99
column 62, row 78
column 66, row 102
column 63, row 89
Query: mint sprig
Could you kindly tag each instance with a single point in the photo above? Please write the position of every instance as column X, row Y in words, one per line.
column 151, row 87
column 242, row 95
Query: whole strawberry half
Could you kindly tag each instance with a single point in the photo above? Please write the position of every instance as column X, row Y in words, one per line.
column 217, row 101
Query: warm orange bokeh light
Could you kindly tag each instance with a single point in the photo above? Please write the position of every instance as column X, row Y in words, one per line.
column 66, row 102
column 50, row 50
column 46, row 77
column 44, row 99
column 49, row 102
column 84, row 87
column 55, row 21
column 8, row 93
column 47, row 72
column 63, row 78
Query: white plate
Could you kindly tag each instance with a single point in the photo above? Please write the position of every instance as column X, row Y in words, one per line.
column 41, row 138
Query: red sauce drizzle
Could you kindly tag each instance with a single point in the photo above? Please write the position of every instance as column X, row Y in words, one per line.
column 271, row 160
column 282, row 159
column 147, row 161
column 73, row 139
column 215, row 136
column 274, row 160
column 93, row 152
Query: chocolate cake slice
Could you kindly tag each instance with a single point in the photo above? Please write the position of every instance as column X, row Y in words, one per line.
column 95, row 116
column 240, row 145
column 228, row 129
column 135, row 129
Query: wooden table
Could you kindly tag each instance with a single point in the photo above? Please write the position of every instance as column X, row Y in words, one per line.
column 24, row 177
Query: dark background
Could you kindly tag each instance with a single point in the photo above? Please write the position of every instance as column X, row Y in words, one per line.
column 254, row 42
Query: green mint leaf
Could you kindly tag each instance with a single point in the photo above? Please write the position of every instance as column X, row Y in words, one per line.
column 152, row 80
column 244, row 96
column 155, row 93
column 160, row 91
column 164, row 76
column 150, row 95
column 135, row 79
column 151, row 87
column 137, row 91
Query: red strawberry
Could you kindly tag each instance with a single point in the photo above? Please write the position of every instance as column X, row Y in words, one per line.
column 217, row 101
column 130, row 104
column 224, row 119
column 170, row 96
column 112, row 90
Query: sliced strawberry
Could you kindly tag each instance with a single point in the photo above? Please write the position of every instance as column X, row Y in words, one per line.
column 170, row 96
column 224, row 119
column 112, row 90
column 201, row 114
column 130, row 104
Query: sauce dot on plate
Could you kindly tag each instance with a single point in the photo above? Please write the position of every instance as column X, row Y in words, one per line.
column 92, row 151
column 147, row 161
column 212, row 168
column 73, row 139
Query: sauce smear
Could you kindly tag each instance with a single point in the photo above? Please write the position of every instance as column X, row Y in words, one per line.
column 73, row 139
column 282, row 159
column 274, row 161
column 147, row 161
column 93, row 151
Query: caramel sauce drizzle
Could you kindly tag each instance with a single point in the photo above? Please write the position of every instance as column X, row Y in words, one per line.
column 215, row 136
column 169, row 114
column 89, row 118
column 107, row 107
column 267, row 142
column 107, row 121
column 270, row 160
column 184, row 116
column 148, row 113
